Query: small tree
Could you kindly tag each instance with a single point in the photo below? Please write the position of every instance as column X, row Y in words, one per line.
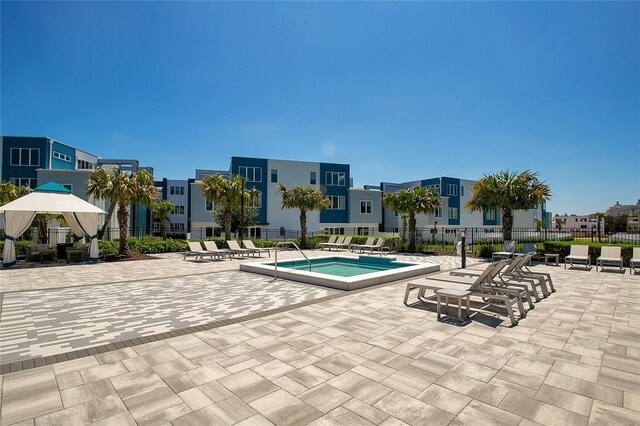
column 411, row 202
column 559, row 222
column 10, row 192
column 508, row 191
column 160, row 210
column 236, row 217
column 600, row 217
column 123, row 189
column 306, row 199
column 539, row 224
column 226, row 194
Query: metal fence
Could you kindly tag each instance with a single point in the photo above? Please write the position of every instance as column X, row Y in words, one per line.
column 440, row 237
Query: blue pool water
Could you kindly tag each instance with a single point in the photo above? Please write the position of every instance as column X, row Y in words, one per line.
column 344, row 267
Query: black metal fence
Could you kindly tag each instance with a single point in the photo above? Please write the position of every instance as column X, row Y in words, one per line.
column 437, row 238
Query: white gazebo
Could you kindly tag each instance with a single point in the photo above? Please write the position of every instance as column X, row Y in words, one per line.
column 52, row 198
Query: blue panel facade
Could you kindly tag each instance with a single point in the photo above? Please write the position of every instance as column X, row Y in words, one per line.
column 487, row 222
column 329, row 215
column 62, row 153
column 261, row 163
column 431, row 182
column 454, row 198
column 24, row 171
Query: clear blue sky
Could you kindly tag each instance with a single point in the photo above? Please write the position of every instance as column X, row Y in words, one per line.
column 401, row 91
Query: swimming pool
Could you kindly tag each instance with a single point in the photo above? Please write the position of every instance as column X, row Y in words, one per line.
column 341, row 272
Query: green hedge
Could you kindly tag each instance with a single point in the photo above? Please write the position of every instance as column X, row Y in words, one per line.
column 564, row 247
column 20, row 245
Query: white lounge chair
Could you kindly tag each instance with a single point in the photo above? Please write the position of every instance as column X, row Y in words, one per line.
column 345, row 243
column 361, row 247
column 248, row 244
column 634, row 263
column 235, row 248
column 508, row 251
column 195, row 249
column 611, row 256
column 379, row 246
column 578, row 254
column 333, row 241
column 212, row 247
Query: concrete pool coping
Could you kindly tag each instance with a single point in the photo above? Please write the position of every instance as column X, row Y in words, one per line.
column 341, row 283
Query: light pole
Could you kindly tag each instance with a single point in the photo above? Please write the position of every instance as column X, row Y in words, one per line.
column 464, row 250
column 242, row 211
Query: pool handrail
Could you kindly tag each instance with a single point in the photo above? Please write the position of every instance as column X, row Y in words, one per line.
column 275, row 264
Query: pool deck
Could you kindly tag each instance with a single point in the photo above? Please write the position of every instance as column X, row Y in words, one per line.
column 339, row 358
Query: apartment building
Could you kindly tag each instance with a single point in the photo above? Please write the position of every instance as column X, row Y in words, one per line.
column 455, row 193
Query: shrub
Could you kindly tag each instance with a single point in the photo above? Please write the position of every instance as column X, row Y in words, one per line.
column 20, row 245
column 484, row 250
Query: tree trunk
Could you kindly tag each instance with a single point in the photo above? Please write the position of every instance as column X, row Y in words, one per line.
column 112, row 208
column 303, row 229
column 412, row 233
column 404, row 229
column 599, row 238
column 164, row 228
column 507, row 224
column 123, row 222
column 227, row 223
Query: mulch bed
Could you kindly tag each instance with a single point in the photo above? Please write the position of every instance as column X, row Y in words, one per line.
column 134, row 256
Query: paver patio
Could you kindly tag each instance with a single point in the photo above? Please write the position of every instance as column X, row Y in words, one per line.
column 361, row 358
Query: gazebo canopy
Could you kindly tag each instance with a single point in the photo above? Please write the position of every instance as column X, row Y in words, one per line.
column 52, row 198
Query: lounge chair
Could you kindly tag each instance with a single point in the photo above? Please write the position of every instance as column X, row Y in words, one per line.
column 508, row 251
column 578, row 254
column 332, row 244
column 195, row 249
column 479, row 288
column 511, row 277
column 235, row 248
column 332, row 240
column 345, row 243
column 248, row 244
column 212, row 247
column 610, row 256
column 523, row 271
column 362, row 247
column 379, row 246
column 634, row 263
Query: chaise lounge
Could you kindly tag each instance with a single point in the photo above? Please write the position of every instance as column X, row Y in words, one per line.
column 610, row 256
column 248, row 244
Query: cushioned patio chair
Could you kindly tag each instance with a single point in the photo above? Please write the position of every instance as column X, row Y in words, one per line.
column 578, row 254
column 610, row 256
column 248, row 244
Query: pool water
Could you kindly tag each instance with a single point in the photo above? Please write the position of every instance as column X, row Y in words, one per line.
column 344, row 267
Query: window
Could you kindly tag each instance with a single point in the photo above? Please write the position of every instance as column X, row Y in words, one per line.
column 255, row 232
column 250, row 174
column 335, row 178
column 453, row 212
column 178, row 209
column 274, row 175
column 337, row 202
column 366, row 207
column 361, row 230
column 333, row 231
column 312, row 178
column 491, row 215
column 438, row 212
column 61, row 156
column 436, row 187
column 25, row 157
column 461, row 191
column 208, row 231
column 176, row 190
column 84, row 165
column 31, row 183
column 68, row 186
column 452, row 189
column 208, row 205
column 176, row 227
column 256, row 202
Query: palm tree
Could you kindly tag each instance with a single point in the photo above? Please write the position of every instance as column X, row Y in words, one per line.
column 600, row 216
column 559, row 222
column 411, row 202
column 100, row 185
column 10, row 192
column 226, row 193
column 160, row 209
column 306, row 199
column 508, row 191
column 123, row 189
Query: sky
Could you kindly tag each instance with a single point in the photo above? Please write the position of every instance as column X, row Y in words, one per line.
column 401, row 91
